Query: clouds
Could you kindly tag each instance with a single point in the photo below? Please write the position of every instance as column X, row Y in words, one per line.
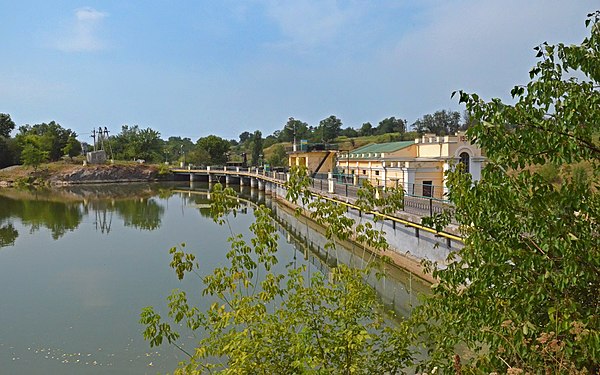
column 192, row 68
column 484, row 47
column 308, row 24
column 83, row 33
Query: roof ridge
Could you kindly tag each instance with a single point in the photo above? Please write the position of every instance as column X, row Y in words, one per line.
column 383, row 147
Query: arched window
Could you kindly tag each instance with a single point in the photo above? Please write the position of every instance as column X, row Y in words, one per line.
column 464, row 160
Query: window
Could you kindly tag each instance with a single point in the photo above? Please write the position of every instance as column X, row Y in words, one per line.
column 376, row 173
column 464, row 160
column 364, row 171
column 428, row 188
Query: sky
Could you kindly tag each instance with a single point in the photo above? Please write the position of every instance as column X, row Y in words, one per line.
column 192, row 68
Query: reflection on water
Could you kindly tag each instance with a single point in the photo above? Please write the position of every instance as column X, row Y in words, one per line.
column 8, row 235
column 78, row 264
column 62, row 211
column 140, row 213
column 58, row 217
column 397, row 288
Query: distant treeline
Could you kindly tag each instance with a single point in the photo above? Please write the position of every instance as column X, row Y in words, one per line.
column 34, row 144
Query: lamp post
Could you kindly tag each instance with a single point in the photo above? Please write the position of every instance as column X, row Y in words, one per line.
column 347, row 164
column 294, row 146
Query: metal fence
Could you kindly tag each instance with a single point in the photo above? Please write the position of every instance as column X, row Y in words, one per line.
column 415, row 202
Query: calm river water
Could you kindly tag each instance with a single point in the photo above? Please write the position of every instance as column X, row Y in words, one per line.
column 78, row 264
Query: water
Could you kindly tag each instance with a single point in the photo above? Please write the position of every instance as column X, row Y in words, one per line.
column 78, row 264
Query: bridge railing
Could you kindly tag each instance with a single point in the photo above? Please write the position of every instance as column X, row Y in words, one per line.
column 343, row 186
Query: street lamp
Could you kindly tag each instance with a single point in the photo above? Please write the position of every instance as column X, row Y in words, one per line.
column 183, row 155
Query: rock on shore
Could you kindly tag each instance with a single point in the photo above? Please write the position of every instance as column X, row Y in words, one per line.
column 70, row 174
column 105, row 173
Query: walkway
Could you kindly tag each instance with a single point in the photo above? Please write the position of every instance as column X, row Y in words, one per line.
column 415, row 207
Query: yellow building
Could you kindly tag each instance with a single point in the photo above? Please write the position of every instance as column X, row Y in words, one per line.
column 318, row 159
column 417, row 166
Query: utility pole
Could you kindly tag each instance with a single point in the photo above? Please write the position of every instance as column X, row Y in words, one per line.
column 94, row 136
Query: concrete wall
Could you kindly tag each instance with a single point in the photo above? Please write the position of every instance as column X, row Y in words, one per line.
column 409, row 243
column 398, row 289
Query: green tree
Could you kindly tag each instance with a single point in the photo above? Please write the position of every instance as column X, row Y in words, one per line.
column 216, row 147
column 292, row 321
column 7, row 125
column 294, row 127
column 522, row 295
column 176, row 147
column 391, row 125
column 269, row 141
column 72, row 148
column 32, row 155
column 134, row 143
column 51, row 138
column 349, row 132
column 329, row 128
column 9, row 152
column 278, row 157
column 257, row 147
column 245, row 136
column 468, row 121
column 366, row 129
column 198, row 156
column 441, row 123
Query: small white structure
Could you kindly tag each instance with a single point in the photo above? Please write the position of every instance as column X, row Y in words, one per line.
column 96, row 157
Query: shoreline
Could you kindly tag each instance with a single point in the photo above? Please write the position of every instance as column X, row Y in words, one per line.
column 73, row 175
column 65, row 174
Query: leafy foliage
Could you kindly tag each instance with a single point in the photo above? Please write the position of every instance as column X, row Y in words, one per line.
column 329, row 128
column 32, row 155
column 72, row 147
column 175, row 148
column 441, row 122
column 215, row 147
column 257, row 148
column 50, row 138
column 9, row 152
column 391, row 125
column 265, row 321
column 294, row 128
column 522, row 295
column 366, row 129
column 278, row 156
column 7, row 125
column 133, row 143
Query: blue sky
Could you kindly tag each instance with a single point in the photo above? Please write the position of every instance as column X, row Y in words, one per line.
column 194, row 68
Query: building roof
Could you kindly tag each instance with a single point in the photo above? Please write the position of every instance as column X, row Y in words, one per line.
column 382, row 147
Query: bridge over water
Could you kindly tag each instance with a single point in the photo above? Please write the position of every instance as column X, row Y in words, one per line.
column 328, row 185
column 415, row 207
column 409, row 240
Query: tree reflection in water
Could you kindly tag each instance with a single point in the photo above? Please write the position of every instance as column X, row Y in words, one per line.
column 62, row 210
column 58, row 217
column 8, row 235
